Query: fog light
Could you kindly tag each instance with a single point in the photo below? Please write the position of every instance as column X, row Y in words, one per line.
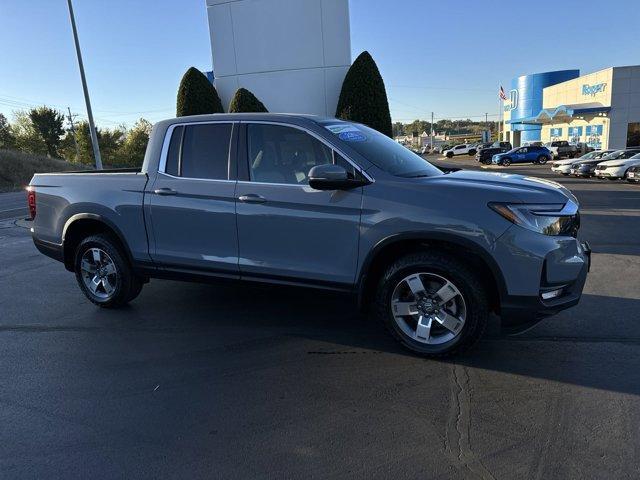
column 548, row 295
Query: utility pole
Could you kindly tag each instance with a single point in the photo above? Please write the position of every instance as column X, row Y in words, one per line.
column 92, row 127
column 75, row 135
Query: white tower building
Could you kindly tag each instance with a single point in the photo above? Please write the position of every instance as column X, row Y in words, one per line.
column 292, row 54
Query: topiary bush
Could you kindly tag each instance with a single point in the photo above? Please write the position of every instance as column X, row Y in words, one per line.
column 196, row 95
column 363, row 97
column 245, row 101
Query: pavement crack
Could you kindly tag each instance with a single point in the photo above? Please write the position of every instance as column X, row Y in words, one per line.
column 457, row 441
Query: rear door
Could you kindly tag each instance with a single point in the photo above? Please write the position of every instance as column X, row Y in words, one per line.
column 192, row 201
column 288, row 231
column 521, row 155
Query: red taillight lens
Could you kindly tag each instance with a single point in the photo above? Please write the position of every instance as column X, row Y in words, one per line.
column 31, row 201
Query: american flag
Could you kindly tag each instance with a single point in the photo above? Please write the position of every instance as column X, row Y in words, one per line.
column 503, row 95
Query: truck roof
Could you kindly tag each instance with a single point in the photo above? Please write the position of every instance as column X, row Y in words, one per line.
column 288, row 117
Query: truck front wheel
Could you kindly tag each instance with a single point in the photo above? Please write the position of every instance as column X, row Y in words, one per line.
column 103, row 272
column 432, row 304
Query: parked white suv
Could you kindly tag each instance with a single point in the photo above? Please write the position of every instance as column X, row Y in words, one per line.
column 617, row 168
column 462, row 149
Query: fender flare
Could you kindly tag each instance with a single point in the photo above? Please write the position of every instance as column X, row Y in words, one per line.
column 433, row 236
column 102, row 219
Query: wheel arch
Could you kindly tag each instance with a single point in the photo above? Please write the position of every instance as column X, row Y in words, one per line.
column 81, row 225
column 389, row 249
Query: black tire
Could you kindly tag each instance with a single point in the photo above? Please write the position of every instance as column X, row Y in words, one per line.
column 449, row 155
column 472, row 153
column 506, row 162
column 468, row 283
column 127, row 284
column 542, row 159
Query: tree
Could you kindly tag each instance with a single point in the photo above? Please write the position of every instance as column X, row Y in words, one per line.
column 245, row 101
column 196, row 95
column 7, row 140
column 47, row 122
column 132, row 151
column 25, row 135
column 363, row 97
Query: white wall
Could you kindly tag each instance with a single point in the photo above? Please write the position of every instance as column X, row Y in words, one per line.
column 292, row 54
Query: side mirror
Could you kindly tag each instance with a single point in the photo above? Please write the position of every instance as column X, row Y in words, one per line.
column 332, row 177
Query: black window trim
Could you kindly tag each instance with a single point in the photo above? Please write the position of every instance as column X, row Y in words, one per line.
column 231, row 155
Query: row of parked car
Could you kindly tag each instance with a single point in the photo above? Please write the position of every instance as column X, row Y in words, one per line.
column 610, row 164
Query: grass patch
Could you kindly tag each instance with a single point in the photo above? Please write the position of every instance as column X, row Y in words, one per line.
column 17, row 168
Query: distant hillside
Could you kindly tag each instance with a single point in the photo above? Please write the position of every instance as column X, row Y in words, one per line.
column 17, row 168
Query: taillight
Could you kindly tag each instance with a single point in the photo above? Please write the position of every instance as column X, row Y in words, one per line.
column 31, row 201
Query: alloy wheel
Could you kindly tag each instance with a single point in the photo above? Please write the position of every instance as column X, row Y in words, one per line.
column 428, row 308
column 99, row 273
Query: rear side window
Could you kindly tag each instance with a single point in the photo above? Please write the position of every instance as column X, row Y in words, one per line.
column 173, row 155
column 204, row 152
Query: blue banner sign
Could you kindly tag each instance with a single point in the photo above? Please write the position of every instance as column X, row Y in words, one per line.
column 575, row 131
column 556, row 132
column 594, row 130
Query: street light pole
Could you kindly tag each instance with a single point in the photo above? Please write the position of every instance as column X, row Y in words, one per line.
column 92, row 127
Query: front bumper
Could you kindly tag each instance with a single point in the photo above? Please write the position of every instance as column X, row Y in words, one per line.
column 611, row 173
column 582, row 172
column 532, row 265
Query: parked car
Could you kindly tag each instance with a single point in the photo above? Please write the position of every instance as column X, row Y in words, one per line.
column 506, row 145
column 633, row 174
column 306, row 201
column 616, row 168
column 564, row 166
column 485, row 155
column 561, row 149
column 586, row 168
column 540, row 155
column 462, row 149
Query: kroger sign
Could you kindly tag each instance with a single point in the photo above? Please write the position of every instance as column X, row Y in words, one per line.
column 593, row 89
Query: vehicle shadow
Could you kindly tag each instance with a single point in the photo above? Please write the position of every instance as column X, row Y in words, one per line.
column 576, row 347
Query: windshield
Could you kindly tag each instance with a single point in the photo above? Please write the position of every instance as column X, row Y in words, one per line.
column 589, row 155
column 382, row 151
column 614, row 155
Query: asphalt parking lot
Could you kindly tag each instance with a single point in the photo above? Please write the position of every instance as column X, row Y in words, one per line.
column 202, row 381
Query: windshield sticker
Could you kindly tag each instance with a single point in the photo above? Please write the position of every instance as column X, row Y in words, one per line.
column 352, row 136
column 341, row 127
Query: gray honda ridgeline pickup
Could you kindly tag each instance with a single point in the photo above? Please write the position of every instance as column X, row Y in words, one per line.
column 319, row 202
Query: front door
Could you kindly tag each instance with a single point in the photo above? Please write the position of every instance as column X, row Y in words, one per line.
column 286, row 230
column 192, row 202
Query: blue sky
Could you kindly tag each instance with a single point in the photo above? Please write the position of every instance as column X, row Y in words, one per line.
column 446, row 57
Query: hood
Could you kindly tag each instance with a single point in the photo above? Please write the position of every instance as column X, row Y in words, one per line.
column 508, row 187
column 567, row 161
column 619, row 161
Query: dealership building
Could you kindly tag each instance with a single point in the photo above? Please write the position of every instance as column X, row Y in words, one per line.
column 601, row 109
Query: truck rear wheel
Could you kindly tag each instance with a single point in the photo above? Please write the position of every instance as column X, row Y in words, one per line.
column 432, row 304
column 103, row 272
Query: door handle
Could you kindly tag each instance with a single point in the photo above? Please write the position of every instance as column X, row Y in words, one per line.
column 165, row 191
column 252, row 198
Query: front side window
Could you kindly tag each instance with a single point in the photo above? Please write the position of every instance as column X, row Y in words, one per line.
column 280, row 154
column 200, row 151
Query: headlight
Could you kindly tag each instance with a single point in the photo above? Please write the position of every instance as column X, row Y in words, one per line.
column 548, row 219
